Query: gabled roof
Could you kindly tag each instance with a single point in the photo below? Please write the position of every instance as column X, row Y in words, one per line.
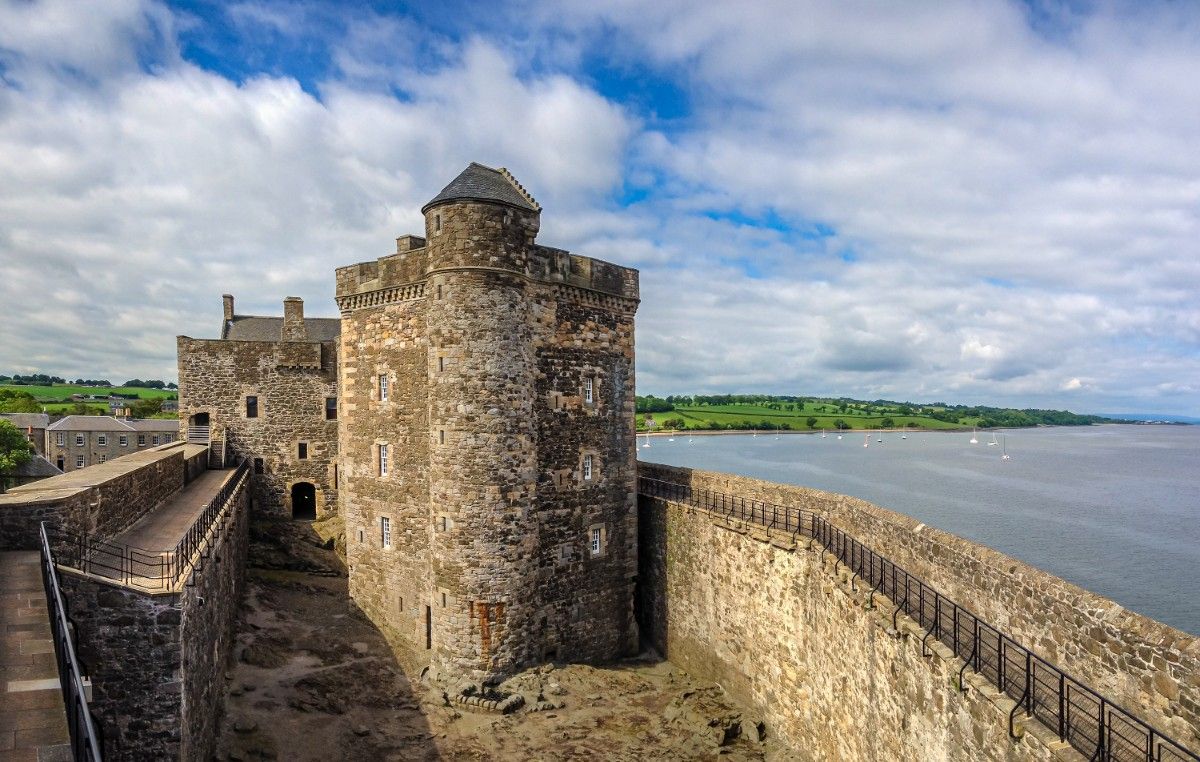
column 37, row 466
column 25, row 420
column 89, row 423
column 255, row 328
column 480, row 183
column 154, row 424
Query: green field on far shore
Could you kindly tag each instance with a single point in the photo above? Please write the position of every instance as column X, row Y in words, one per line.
column 716, row 417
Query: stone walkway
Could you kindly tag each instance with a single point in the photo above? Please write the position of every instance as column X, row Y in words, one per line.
column 162, row 528
column 33, row 721
column 153, row 537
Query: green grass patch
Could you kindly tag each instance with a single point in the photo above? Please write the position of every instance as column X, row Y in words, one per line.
column 60, row 392
column 754, row 416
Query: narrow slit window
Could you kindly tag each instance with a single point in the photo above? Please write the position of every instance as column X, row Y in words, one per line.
column 441, row 364
column 587, row 468
column 588, row 386
column 597, row 543
column 331, row 408
column 385, row 531
column 251, row 407
column 437, row 223
column 441, row 436
column 302, row 451
column 443, row 600
column 383, row 460
column 383, row 387
column 439, row 291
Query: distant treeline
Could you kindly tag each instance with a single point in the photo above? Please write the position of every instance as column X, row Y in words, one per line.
column 42, row 379
column 966, row 415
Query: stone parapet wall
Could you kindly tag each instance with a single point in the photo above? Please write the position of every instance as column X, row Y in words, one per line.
column 157, row 661
column 1147, row 667
column 99, row 501
column 209, row 608
column 772, row 623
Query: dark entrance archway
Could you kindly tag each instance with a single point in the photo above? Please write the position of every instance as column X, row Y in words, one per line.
column 304, row 501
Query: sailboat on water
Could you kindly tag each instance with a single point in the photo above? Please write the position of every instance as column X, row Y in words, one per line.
column 1004, row 450
column 993, row 443
column 973, row 439
column 647, row 440
column 867, row 439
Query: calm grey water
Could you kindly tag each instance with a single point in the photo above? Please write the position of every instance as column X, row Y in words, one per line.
column 1114, row 509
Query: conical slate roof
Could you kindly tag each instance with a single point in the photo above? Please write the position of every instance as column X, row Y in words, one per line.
column 480, row 183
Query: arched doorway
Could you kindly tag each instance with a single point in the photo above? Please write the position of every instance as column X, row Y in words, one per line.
column 304, row 501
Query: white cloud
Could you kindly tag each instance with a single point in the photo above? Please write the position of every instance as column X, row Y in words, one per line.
column 1004, row 205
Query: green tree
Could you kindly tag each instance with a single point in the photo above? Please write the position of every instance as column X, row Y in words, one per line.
column 145, row 408
column 839, row 424
column 811, row 421
column 13, row 401
column 15, row 450
column 887, row 423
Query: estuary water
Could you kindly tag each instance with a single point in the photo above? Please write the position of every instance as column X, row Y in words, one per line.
column 1114, row 509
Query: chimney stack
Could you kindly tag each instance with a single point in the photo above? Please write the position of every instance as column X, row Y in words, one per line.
column 293, row 319
column 228, row 300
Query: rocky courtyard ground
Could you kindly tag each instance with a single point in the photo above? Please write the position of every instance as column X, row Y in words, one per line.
column 312, row 680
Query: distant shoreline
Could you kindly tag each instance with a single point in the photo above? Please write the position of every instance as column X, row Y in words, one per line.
column 767, row 432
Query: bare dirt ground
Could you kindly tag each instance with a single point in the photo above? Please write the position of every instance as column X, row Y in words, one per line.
column 312, row 680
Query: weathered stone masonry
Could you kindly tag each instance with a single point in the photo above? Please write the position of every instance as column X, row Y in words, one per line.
column 289, row 367
column 502, row 466
column 773, row 624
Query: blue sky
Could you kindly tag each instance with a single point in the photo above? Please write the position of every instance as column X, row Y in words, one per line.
column 969, row 201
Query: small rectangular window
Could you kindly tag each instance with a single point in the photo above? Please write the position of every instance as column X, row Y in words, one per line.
column 587, row 468
column 251, row 407
column 79, row 461
column 103, row 458
column 154, row 439
column 141, row 439
column 587, row 390
column 123, row 440
column 383, row 387
column 258, row 465
column 385, row 531
column 331, row 408
column 439, row 291
column 441, row 436
column 383, row 460
column 302, row 451
column 79, row 440
column 597, row 541
column 102, row 440
column 60, row 439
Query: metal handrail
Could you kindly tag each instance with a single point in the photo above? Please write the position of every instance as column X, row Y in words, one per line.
column 1089, row 722
column 85, row 736
column 139, row 567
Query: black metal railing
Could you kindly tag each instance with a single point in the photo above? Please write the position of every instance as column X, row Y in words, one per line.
column 1080, row 716
column 150, row 570
column 83, row 728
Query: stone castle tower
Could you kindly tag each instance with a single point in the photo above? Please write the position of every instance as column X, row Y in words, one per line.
column 487, row 439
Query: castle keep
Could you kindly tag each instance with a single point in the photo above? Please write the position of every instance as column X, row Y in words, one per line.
column 487, row 421
column 266, row 391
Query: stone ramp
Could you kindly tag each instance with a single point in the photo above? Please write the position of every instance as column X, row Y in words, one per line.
column 148, row 545
column 33, row 719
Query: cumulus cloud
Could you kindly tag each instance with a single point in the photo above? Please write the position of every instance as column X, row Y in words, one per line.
column 971, row 202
